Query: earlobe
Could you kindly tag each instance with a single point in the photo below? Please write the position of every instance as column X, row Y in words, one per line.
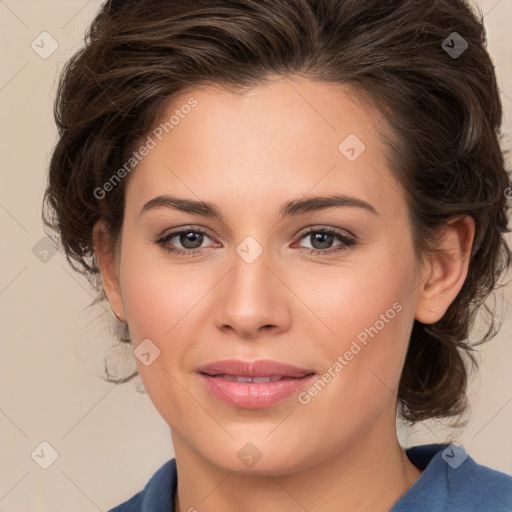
column 446, row 269
column 105, row 257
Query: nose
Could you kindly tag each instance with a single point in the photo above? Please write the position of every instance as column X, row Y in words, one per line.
column 253, row 300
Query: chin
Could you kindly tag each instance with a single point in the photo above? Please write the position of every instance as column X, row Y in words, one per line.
column 259, row 456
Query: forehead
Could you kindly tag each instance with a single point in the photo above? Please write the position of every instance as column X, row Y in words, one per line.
column 283, row 107
column 287, row 135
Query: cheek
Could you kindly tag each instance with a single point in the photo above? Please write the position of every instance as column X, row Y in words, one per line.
column 362, row 364
column 362, row 300
column 370, row 312
column 159, row 297
column 160, row 303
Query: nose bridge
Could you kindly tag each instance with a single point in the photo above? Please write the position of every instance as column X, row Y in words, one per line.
column 250, row 277
column 250, row 298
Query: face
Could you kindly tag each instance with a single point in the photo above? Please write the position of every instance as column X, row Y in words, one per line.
column 328, row 287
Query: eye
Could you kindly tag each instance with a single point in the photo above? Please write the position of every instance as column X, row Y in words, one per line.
column 190, row 239
column 322, row 239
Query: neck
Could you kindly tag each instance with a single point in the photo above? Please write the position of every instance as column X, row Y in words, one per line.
column 372, row 474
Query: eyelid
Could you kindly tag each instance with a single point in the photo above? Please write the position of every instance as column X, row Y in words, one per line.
column 180, row 229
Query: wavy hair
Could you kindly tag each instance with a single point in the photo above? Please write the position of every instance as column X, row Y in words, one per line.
column 441, row 117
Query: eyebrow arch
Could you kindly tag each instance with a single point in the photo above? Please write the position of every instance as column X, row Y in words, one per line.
column 295, row 207
column 315, row 203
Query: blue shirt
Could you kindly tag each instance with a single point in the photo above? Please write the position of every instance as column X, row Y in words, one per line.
column 451, row 482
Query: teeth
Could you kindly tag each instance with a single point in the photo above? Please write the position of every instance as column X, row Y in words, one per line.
column 261, row 379
column 236, row 378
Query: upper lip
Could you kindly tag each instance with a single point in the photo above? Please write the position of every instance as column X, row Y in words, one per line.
column 261, row 368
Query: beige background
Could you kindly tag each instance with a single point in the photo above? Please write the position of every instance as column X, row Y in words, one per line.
column 109, row 438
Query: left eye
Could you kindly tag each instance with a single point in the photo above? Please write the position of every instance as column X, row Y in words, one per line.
column 322, row 239
column 191, row 241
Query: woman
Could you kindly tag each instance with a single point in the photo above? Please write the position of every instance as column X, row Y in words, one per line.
column 295, row 209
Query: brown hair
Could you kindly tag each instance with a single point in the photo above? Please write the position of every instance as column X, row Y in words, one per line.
column 443, row 114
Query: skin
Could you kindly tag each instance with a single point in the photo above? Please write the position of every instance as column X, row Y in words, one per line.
column 248, row 154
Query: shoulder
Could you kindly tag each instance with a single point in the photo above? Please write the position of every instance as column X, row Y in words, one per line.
column 453, row 481
column 157, row 495
column 481, row 487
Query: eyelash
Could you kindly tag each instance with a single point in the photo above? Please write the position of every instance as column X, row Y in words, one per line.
column 346, row 241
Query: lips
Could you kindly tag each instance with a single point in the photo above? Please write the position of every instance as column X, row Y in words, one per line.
column 261, row 368
column 253, row 385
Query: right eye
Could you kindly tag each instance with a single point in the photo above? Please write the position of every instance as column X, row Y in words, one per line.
column 190, row 238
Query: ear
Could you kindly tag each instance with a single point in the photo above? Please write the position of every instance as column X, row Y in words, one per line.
column 446, row 270
column 108, row 264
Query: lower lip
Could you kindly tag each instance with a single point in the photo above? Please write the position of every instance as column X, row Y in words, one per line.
column 252, row 395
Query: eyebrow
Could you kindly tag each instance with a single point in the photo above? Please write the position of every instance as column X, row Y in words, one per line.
column 290, row 208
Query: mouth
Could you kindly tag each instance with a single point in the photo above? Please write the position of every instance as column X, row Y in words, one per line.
column 254, row 385
column 263, row 368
